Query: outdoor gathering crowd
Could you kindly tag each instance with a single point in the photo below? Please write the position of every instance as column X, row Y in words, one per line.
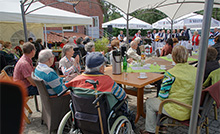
column 80, row 61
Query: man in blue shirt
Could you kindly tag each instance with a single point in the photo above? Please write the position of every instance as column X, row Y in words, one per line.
column 53, row 82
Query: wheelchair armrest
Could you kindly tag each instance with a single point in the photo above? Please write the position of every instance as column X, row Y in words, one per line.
column 64, row 91
column 116, row 108
column 173, row 101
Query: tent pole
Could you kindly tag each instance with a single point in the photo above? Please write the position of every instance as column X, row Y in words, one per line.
column 201, row 66
column 171, row 27
column 92, row 30
column 62, row 33
column 127, row 32
column 45, row 34
column 24, row 21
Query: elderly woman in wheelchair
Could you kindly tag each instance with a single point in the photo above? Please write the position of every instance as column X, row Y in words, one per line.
column 98, row 104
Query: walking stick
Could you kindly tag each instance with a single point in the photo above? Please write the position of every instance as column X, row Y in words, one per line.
column 96, row 96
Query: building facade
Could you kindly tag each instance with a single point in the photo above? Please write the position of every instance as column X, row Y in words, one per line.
column 90, row 8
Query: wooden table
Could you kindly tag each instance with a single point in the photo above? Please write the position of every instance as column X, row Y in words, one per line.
column 168, row 64
column 160, row 61
column 133, row 80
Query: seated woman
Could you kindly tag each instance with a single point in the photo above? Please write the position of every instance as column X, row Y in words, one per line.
column 132, row 51
column 211, row 62
column 167, row 49
column 68, row 65
column 217, row 46
column 90, row 47
column 175, row 42
column 10, row 56
column 114, row 46
column 178, row 84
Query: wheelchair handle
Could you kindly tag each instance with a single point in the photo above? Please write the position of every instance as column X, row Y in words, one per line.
column 64, row 91
column 94, row 83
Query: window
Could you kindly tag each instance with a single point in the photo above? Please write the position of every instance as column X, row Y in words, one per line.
column 68, row 29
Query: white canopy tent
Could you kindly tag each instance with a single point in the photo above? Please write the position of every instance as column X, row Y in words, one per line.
column 172, row 8
column 191, row 20
column 11, row 19
column 134, row 23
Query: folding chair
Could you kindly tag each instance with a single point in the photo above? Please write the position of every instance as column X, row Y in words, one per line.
column 212, row 79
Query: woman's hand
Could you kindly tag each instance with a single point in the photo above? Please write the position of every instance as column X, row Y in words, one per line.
column 77, row 59
column 130, row 60
column 103, row 52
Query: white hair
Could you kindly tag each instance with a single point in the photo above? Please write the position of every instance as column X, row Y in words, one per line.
column 94, row 69
column 138, row 39
column 71, row 40
column 45, row 55
column 66, row 48
column 134, row 42
column 113, row 38
column 74, row 37
column 87, row 37
column 89, row 46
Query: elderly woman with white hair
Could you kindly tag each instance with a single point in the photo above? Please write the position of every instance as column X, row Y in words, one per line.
column 138, row 40
column 69, row 66
column 53, row 82
column 132, row 52
column 90, row 47
column 72, row 41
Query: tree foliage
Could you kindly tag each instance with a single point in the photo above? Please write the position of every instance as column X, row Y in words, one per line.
column 215, row 13
column 110, row 12
column 149, row 16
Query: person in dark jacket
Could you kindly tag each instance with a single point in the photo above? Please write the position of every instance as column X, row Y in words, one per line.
column 217, row 47
column 2, row 58
column 211, row 62
column 39, row 47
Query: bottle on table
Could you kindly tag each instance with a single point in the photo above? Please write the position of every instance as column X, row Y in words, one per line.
column 125, row 64
column 142, row 55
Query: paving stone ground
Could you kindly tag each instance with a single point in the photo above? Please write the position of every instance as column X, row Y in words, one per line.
column 36, row 128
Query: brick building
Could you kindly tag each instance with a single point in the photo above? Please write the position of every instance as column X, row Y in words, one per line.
column 90, row 8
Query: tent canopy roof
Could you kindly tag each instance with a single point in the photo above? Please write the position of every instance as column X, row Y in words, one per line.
column 191, row 20
column 172, row 8
column 134, row 23
column 10, row 11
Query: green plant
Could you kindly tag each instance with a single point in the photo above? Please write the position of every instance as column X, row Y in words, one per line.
column 101, row 45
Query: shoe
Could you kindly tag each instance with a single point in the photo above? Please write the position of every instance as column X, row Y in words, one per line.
column 145, row 132
column 163, row 130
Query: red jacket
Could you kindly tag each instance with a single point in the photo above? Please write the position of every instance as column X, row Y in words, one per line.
column 195, row 41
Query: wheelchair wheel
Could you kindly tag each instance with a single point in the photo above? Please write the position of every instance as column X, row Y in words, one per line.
column 67, row 125
column 122, row 126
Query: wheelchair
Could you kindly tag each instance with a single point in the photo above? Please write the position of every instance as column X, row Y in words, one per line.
column 84, row 117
